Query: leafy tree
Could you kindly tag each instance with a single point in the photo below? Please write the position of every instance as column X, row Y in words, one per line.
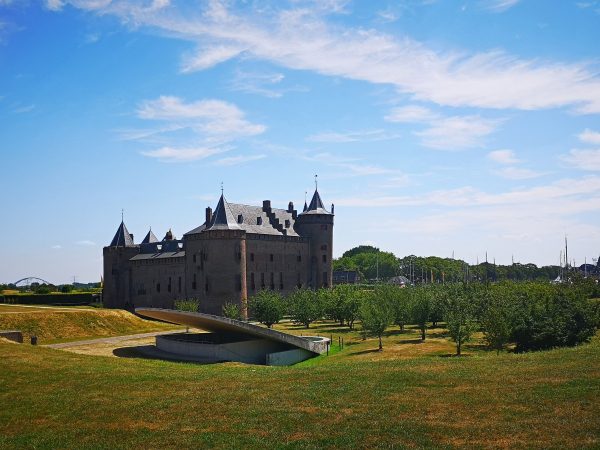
column 401, row 307
column 188, row 304
column 420, row 307
column 458, row 313
column 267, row 307
column 66, row 288
column 351, row 301
column 305, row 306
column 232, row 311
column 375, row 315
column 333, row 302
column 496, row 320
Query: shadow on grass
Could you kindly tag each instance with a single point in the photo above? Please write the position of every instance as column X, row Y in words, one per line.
column 365, row 352
column 454, row 355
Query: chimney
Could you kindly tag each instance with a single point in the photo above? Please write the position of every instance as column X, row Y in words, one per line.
column 332, row 208
column 208, row 216
column 267, row 205
column 290, row 207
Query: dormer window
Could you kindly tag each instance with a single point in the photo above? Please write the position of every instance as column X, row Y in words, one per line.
column 240, row 218
column 259, row 221
column 287, row 223
column 159, row 247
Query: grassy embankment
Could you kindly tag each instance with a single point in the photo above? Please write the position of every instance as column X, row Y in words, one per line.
column 407, row 395
column 54, row 324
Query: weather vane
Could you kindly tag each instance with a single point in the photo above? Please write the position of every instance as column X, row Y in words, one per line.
column 221, row 188
column 122, row 211
column 316, row 182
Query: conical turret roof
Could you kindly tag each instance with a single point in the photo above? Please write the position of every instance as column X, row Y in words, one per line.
column 222, row 218
column 122, row 237
column 316, row 205
column 150, row 238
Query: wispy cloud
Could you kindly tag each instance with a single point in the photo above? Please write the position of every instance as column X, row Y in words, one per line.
column 518, row 173
column 23, row 109
column 503, row 157
column 208, row 128
column 457, row 132
column 237, row 160
column 411, row 114
column 499, row 5
column 583, row 159
column 56, row 247
column 353, row 136
column 589, row 136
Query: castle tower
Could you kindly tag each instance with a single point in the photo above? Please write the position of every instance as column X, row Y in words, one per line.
column 116, row 291
column 216, row 261
column 316, row 223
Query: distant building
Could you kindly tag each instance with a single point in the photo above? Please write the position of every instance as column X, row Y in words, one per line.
column 399, row 281
column 236, row 252
column 346, row 277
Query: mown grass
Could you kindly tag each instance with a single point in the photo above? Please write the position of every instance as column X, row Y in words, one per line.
column 406, row 396
column 52, row 325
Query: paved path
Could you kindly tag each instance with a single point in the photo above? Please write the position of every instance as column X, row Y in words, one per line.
column 111, row 340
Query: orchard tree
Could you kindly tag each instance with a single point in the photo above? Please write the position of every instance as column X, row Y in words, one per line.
column 420, row 308
column 375, row 315
column 267, row 307
column 305, row 306
column 459, row 317
column 496, row 321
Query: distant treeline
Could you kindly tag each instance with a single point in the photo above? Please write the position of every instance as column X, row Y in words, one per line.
column 84, row 298
column 371, row 263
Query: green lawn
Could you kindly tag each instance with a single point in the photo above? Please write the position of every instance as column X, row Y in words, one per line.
column 409, row 395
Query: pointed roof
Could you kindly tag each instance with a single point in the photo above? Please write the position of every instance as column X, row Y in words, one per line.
column 122, row 237
column 169, row 236
column 150, row 238
column 316, row 205
column 305, row 206
column 222, row 218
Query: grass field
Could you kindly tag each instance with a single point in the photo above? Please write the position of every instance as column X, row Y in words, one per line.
column 409, row 395
column 61, row 324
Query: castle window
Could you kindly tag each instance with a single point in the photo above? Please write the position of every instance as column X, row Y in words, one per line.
column 324, row 279
column 324, row 247
column 323, row 227
column 169, row 285
column 299, row 284
column 287, row 223
column 194, row 258
column 259, row 221
column 251, row 256
column 179, row 283
column 324, row 258
column 272, row 285
column 262, row 280
column 238, row 282
column 271, row 257
column 240, row 218
column 280, row 280
column 194, row 283
column 157, row 287
column 206, row 286
column 252, row 285
column 299, row 259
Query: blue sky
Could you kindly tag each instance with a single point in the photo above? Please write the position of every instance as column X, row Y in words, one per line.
column 434, row 126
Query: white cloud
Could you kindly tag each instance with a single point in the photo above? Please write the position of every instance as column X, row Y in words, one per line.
column 209, row 57
column 589, row 136
column 24, row 109
column 499, row 5
column 353, row 136
column 261, row 84
column 169, row 154
column 518, row 173
column 301, row 38
column 236, row 160
column 584, row 159
column 56, row 247
column 412, row 113
column 54, row 5
column 457, row 132
column 503, row 157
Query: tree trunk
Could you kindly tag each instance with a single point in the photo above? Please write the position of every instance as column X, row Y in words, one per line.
column 458, row 347
column 423, row 333
column 380, row 344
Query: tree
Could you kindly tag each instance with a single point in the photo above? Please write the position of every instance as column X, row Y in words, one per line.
column 496, row 318
column 401, row 307
column 232, row 311
column 375, row 315
column 333, row 302
column 459, row 316
column 305, row 306
column 420, row 307
column 267, row 307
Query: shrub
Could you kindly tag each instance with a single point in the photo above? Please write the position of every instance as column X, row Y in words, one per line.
column 189, row 304
column 232, row 311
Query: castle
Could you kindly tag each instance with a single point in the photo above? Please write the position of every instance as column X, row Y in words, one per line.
column 238, row 251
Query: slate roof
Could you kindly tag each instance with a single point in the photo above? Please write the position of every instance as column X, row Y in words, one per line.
column 122, row 237
column 226, row 217
column 316, row 205
column 150, row 238
column 159, row 255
